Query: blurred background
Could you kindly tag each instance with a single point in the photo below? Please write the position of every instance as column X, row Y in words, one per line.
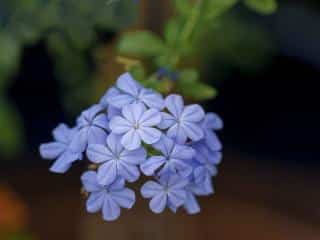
column 57, row 58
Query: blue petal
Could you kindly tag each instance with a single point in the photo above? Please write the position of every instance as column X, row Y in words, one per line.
column 121, row 100
column 149, row 135
column 95, row 202
column 110, row 209
column 193, row 131
column 118, row 184
column 96, row 135
column 63, row 163
column 134, row 157
column 176, row 182
column 183, row 168
column 212, row 141
column 89, row 181
column 112, row 112
column 158, row 202
column 127, row 84
column 191, row 204
column 129, row 172
column 92, row 112
column 175, row 105
column 212, row 121
column 113, row 142
column 177, row 197
column 107, row 173
column 152, row 164
column 98, row 153
column 101, row 121
column 52, row 150
column 150, row 189
column 131, row 140
column 119, row 125
column 182, row 152
column 124, row 198
column 152, row 99
column 110, row 93
column 151, row 117
column 133, row 112
column 177, row 133
column 193, row 113
column 164, row 145
column 167, row 120
column 62, row 133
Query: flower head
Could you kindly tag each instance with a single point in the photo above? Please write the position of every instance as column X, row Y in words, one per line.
column 109, row 198
column 168, row 191
column 129, row 91
column 184, row 121
column 93, row 127
column 115, row 161
column 136, row 124
column 61, row 149
column 175, row 158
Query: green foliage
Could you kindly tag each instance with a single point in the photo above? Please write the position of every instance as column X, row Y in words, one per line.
column 199, row 28
column 141, row 44
column 262, row 6
column 11, row 137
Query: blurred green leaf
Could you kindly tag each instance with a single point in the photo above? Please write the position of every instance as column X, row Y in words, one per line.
column 172, row 32
column 183, row 7
column 214, row 8
column 190, row 86
column 141, row 44
column 9, row 55
column 262, row 6
column 11, row 130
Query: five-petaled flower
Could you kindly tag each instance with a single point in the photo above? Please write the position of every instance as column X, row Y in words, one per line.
column 128, row 91
column 93, row 127
column 61, row 149
column 136, row 124
column 175, row 158
column 115, row 161
column 184, row 121
column 168, row 191
column 109, row 198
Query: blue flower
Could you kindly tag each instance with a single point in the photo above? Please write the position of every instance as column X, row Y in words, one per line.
column 210, row 123
column 136, row 124
column 174, row 159
column 61, row 149
column 184, row 121
column 104, row 101
column 115, row 161
column 129, row 91
column 109, row 198
column 93, row 127
column 168, row 191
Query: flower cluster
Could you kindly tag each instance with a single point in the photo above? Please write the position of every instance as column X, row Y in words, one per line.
column 134, row 131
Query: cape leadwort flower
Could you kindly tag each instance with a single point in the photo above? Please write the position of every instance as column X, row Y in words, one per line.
column 61, row 149
column 131, row 130
column 115, row 160
column 109, row 197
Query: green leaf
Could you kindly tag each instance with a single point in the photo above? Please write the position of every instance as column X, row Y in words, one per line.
column 172, row 32
column 141, row 44
column 183, row 7
column 11, row 130
column 262, row 6
column 215, row 8
column 190, row 86
column 9, row 55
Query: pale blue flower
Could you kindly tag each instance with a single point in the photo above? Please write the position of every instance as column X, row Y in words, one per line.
column 169, row 190
column 111, row 110
column 136, row 124
column 175, row 158
column 130, row 91
column 61, row 149
column 108, row 198
column 184, row 121
column 211, row 123
column 115, row 161
column 93, row 127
